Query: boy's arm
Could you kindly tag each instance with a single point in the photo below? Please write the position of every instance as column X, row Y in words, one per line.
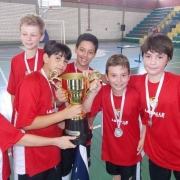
column 141, row 141
column 12, row 99
column 95, row 87
column 50, row 119
column 33, row 140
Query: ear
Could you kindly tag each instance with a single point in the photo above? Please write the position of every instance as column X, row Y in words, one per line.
column 42, row 37
column 45, row 58
column 75, row 49
column 107, row 79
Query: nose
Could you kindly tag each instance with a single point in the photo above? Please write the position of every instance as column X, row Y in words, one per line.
column 119, row 79
column 28, row 37
column 153, row 60
column 85, row 54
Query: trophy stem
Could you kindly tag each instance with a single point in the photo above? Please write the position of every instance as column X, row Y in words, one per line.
column 79, row 128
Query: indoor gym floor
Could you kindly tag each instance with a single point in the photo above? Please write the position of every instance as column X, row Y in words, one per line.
column 97, row 169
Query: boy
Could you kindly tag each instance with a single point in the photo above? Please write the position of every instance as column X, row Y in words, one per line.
column 31, row 32
column 160, row 99
column 34, row 112
column 121, row 142
column 10, row 135
column 86, row 48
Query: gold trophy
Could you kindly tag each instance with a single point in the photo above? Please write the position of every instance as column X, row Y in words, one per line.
column 77, row 89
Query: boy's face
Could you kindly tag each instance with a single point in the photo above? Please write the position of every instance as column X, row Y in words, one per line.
column 85, row 53
column 118, row 78
column 30, row 36
column 55, row 62
column 154, row 62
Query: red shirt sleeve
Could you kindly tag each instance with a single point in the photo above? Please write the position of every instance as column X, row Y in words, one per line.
column 9, row 135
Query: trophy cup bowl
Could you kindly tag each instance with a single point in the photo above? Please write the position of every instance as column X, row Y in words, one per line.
column 77, row 89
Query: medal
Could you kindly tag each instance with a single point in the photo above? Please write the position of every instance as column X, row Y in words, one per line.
column 154, row 101
column 118, row 132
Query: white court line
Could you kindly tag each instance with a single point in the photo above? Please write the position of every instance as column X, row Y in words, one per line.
column 98, row 126
column 5, row 80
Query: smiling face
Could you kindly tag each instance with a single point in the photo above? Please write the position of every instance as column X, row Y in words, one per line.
column 118, row 78
column 30, row 36
column 154, row 63
column 85, row 53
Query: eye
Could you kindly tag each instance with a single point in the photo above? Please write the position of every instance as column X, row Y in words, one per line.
column 91, row 52
column 66, row 61
column 147, row 56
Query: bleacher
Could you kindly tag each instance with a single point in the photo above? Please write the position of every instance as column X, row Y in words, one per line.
column 158, row 19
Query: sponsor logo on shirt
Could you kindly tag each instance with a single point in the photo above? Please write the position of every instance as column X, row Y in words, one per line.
column 50, row 111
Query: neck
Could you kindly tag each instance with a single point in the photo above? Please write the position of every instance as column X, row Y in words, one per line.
column 79, row 67
column 155, row 78
column 117, row 93
column 30, row 53
column 46, row 72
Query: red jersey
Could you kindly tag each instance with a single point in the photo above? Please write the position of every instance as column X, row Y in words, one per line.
column 18, row 69
column 71, row 68
column 119, row 150
column 162, row 142
column 8, row 137
column 34, row 98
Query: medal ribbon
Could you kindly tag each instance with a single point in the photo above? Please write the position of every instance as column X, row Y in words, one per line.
column 151, row 112
column 121, row 110
column 35, row 64
column 53, row 99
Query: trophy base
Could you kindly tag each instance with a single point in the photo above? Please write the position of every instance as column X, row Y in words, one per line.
column 80, row 129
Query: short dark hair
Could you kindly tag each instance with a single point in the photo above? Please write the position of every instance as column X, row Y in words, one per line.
column 158, row 43
column 87, row 37
column 53, row 47
column 117, row 60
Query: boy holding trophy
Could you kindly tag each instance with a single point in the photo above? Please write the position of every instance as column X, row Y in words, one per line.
column 34, row 113
column 86, row 48
column 121, row 142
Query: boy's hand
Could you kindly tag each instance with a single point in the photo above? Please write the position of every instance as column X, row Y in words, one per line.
column 61, row 95
column 95, row 86
column 64, row 142
column 87, row 73
column 61, row 125
column 140, row 146
column 72, row 111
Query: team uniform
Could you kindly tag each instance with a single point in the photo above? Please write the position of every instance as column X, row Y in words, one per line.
column 162, row 142
column 119, row 151
column 68, row 155
column 8, row 137
column 19, row 70
column 34, row 98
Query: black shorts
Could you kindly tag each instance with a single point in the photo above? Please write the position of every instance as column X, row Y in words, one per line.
column 50, row 174
column 67, row 159
column 160, row 173
column 125, row 171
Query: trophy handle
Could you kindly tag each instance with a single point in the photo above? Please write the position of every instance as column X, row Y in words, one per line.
column 93, row 76
column 54, row 76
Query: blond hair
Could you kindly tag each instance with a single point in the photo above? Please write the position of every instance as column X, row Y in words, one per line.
column 33, row 20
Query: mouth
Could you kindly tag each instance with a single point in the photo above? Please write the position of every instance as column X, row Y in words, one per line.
column 119, row 85
column 152, row 68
